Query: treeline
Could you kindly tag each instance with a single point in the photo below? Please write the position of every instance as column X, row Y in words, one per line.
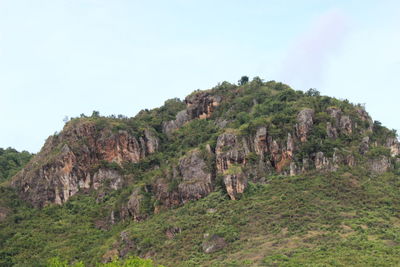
column 11, row 161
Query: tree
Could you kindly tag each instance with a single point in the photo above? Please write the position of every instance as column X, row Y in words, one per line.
column 243, row 80
column 95, row 114
column 313, row 92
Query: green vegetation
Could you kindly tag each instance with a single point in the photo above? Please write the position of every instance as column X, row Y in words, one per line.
column 11, row 161
column 130, row 262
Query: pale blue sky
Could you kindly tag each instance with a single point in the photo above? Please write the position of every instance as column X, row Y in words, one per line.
column 66, row 57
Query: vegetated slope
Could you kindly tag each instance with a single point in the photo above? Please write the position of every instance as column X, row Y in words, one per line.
column 313, row 179
column 11, row 161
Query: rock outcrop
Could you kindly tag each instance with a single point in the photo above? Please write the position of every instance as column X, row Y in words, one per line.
column 213, row 243
column 197, row 177
column 380, row 165
column 394, row 145
column 341, row 123
column 199, row 105
column 235, row 184
column 132, row 209
column 230, row 155
column 305, row 122
column 77, row 159
column 196, row 180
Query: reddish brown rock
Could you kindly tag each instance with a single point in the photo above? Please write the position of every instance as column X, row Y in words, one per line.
column 72, row 161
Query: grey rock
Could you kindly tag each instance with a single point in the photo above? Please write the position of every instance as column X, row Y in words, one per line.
column 196, row 177
column 111, row 178
column 235, row 184
column 213, row 244
column 380, row 165
column 394, row 145
column 364, row 146
column 305, row 121
column 336, row 114
column 331, row 131
column 346, row 125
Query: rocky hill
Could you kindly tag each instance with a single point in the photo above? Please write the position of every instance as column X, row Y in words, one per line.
column 208, row 159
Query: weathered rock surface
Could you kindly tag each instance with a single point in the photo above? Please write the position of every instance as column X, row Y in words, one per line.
column 235, row 184
column 364, row 116
column 132, row 207
column 196, row 180
column 331, row 131
column 305, row 121
column 336, row 114
column 181, row 118
column 341, row 123
column 231, row 153
column 199, row 105
column 66, row 162
column 394, row 145
column 380, row 165
column 230, row 150
column 364, row 146
column 112, row 178
column 346, row 126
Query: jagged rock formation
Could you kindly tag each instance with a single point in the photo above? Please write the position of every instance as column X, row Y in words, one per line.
column 304, row 123
column 199, row 105
column 76, row 159
column 132, row 208
column 196, row 180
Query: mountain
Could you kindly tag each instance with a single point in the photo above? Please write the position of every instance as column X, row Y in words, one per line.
column 255, row 174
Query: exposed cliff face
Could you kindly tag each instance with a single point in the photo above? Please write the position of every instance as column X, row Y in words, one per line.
column 196, row 180
column 72, row 161
column 199, row 105
column 197, row 177
column 304, row 123
column 379, row 165
column 394, row 145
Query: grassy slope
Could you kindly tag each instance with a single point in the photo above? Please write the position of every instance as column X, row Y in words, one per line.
column 337, row 219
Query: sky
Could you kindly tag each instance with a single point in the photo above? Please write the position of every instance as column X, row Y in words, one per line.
column 62, row 58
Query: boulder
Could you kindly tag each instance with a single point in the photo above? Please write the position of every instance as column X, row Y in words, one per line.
column 213, row 244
